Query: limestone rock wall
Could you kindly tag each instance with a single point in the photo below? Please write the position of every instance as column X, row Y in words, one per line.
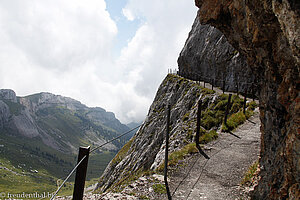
column 208, row 56
column 267, row 33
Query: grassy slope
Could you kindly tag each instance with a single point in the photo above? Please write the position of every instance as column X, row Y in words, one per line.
column 22, row 156
column 14, row 156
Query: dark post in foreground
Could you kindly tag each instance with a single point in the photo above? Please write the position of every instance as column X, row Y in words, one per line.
column 198, row 130
column 166, row 153
column 227, row 109
column 253, row 92
column 223, row 86
column 212, row 84
column 81, row 173
column 237, row 88
column 245, row 100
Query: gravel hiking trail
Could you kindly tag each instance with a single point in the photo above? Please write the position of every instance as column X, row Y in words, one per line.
column 220, row 176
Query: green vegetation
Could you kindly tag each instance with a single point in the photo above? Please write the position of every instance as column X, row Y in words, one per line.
column 186, row 116
column 15, row 179
column 159, row 188
column 235, row 120
column 208, row 137
column 214, row 114
column 14, row 108
column 176, row 156
column 34, row 167
column 122, row 153
column 206, row 91
column 252, row 105
column 250, row 173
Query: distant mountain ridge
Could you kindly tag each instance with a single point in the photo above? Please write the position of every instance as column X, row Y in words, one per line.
column 50, row 128
column 39, row 115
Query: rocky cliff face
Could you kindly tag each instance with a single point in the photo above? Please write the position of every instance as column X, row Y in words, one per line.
column 267, row 32
column 145, row 151
column 207, row 56
column 8, row 95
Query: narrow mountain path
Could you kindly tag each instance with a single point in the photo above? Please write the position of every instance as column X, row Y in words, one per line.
column 219, row 177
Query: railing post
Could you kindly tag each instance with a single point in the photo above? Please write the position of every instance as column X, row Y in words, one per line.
column 166, row 153
column 227, row 109
column 237, row 88
column 198, row 129
column 245, row 100
column 253, row 93
column 212, row 84
column 223, row 86
column 81, row 173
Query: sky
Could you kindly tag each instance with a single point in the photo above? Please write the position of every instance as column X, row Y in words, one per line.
column 105, row 53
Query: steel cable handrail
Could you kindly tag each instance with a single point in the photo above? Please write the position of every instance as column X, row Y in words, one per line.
column 93, row 150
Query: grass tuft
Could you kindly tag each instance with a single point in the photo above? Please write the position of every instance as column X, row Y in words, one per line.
column 159, row 188
column 122, row 153
column 206, row 91
column 235, row 120
column 208, row 137
column 176, row 156
column 250, row 173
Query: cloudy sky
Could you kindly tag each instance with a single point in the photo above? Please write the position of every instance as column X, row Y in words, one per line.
column 107, row 53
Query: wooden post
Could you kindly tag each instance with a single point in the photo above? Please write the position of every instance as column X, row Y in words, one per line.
column 198, row 129
column 212, row 84
column 198, row 123
column 253, row 93
column 227, row 109
column 81, row 173
column 237, row 87
column 166, row 153
column 223, row 86
column 245, row 100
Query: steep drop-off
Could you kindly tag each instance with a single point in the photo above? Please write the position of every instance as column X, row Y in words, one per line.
column 207, row 56
column 145, row 151
column 267, row 32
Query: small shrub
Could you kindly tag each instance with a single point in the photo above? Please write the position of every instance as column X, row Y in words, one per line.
column 206, row 91
column 190, row 134
column 235, row 107
column 186, row 117
column 175, row 156
column 208, row 137
column 209, row 121
column 234, row 121
column 250, row 173
column 252, row 105
column 221, row 105
column 143, row 197
column 159, row 188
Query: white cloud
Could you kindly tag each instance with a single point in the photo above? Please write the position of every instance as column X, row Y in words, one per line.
column 157, row 43
column 128, row 14
column 65, row 46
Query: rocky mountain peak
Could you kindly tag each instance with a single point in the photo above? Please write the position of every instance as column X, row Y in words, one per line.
column 8, row 94
column 45, row 99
